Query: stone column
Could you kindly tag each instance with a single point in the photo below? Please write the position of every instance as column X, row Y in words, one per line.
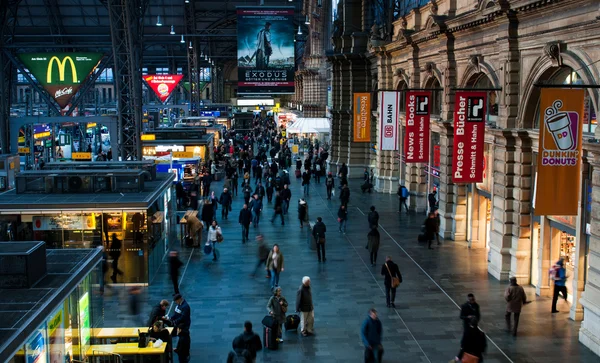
column 545, row 259
column 589, row 334
column 452, row 197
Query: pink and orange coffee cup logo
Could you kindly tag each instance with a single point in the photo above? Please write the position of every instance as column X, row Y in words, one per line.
column 559, row 141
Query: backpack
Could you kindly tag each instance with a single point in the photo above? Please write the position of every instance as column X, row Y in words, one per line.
column 404, row 192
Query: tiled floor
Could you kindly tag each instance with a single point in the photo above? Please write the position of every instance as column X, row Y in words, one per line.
column 423, row 328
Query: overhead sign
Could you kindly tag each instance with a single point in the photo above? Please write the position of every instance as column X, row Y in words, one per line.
column 469, row 132
column 81, row 156
column 416, row 136
column 362, row 117
column 388, row 121
column 61, row 74
column 24, row 150
column 558, row 182
column 163, row 84
column 266, row 50
column 148, row 137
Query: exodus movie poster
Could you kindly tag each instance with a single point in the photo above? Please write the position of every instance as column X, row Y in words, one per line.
column 265, row 50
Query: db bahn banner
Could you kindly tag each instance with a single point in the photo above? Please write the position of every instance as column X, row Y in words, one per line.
column 469, row 131
column 416, row 136
column 163, row 85
column 362, row 117
column 61, row 74
column 266, row 50
column 388, row 121
column 558, row 186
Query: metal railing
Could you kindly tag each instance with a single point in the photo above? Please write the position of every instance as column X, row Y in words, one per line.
column 403, row 7
column 99, row 356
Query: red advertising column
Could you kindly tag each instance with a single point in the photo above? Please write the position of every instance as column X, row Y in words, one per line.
column 416, row 136
column 163, row 84
column 469, row 131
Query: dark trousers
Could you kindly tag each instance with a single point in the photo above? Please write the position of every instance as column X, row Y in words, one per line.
column 516, row 322
column 225, row 211
column 558, row 290
column 280, row 212
column 183, row 347
column 245, row 230
column 261, row 262
column 403, row 202
column 329, row 189
column 390, row 299
column 175, row 281
column 373, row 257
column 115, row 268
column 373, row 355
column 321, row 249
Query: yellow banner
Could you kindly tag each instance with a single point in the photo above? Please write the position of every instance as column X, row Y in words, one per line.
column 21, row 139
column 24, row 150
column 148, row 137
column 183, row 154
column 362, row 117
column 81, row 156
column 558, row 186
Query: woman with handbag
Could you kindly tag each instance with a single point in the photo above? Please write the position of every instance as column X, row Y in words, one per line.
column 472, row 344
column 277, row 307
column 275, row 265
column 214, row 236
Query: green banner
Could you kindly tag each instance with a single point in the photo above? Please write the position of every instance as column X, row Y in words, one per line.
column 61, row 74
column 202, row 86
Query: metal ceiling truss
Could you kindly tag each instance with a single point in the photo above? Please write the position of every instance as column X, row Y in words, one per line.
column 192, row 57
column 126, row 28
column 55, row 20
column 89, row 84
column 8, row 21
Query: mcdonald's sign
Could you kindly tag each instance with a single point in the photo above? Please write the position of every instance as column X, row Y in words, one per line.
column 61, row 74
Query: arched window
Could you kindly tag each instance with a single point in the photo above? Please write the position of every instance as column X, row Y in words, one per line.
column 566, row 75
column 482, row 81
column 434, row 85
column 402, row 87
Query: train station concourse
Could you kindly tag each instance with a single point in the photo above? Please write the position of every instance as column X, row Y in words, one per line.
column 299, row 181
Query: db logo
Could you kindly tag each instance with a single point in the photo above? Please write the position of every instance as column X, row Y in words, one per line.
column 388, row 131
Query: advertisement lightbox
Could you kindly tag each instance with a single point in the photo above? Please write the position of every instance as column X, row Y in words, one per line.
column 163, row 84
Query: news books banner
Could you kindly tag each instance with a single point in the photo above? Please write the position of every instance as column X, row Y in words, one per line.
column 416, row 136
column 61, row 74
column 266, row 50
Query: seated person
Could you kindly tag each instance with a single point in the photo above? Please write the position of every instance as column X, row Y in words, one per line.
column 159, row 331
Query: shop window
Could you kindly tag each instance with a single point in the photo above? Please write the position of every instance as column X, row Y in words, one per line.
column 482, row 81
column 566, row 75
column 402, row 87
column 436, row 96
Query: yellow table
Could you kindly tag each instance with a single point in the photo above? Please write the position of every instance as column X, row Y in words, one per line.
column 129, row 349
column 119, row 333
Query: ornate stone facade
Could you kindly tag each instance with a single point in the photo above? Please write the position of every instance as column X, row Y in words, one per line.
column 507, row 48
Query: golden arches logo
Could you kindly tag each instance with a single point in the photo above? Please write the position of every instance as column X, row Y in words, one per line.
column 61, row 69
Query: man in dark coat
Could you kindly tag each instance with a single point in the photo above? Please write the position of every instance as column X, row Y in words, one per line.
column 247, row 341
column 345, row 195
column 260, row 191
column 306, row 182
column 278, row 208
column 115, row 253
column 515, row 299
column 225, row 200
column 182, row 316
column 373, row 218
column 318, row 231
column 469, row 310
column 286, row 196
column 174, row 266
column 158, row 313
column 304, row 305
column 256, row 206
column 247, row 191
column 245, row 219
column 388, row 271
column 370, row 333
column 431, row 228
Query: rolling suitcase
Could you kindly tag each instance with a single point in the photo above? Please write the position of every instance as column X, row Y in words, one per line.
column 270, row 338
column 292, row 322
column 298, row 173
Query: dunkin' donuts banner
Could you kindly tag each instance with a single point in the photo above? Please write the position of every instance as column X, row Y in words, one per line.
column 416, row 137
column 469, row 131
column 558, row 185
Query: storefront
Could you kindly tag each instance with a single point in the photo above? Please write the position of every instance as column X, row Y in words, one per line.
column 191, row 143
column 479, row 205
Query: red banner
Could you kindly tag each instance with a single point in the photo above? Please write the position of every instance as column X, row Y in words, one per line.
column 416, row 136
column 469, row 131
column 163, row 84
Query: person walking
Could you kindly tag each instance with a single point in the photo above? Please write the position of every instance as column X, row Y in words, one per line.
column 392, row 279
column 234, row 183
column 277, row 307
column 207, row 213
column 318, row 231
column 275, row 265
column 370, row 333
column 214, row 234
column 225, row 200
column 256, row 208
column 515, row 299
column 437, row 226
column 329, row 184
column 430, row 226
column 402, row 196
column 302, row 212
column 270, row 189
column 473, row 343
column 286, row 197
column 345, row 195
column 260, row 191
column 278, row 208
column 468, row 310
column 214, row 201
column 373, row 217
column 263, row 255
column 248, row 340
column 174, row 266
column 115, row 253
column 180, row 195
column 560, row 279
column 306, row 181
column 342, row 215
column 431, row 198
column 247, row 192
column 304, row 306
column 373, row 238
column 244, row 220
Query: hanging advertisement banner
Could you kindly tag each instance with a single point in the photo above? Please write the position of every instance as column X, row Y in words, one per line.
column 559, row 159
column 61, row 74
column 64, row 221
column 388, row 120
column 416, row 136
column 266, row 50
column 362, row 117
column 469, row 131
column 163, row 84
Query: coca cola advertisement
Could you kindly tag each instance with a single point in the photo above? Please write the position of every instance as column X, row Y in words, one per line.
column 163, row 84
column 416, row 136
column 469, row 131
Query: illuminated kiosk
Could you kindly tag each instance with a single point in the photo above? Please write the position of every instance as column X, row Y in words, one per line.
column 189, row 142
column 50, row 301
column 89, row 208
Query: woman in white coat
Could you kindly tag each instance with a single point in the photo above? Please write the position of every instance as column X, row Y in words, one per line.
column 214, row 236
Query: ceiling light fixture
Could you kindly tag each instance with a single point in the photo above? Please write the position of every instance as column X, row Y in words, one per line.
column 158, row 22
column 307, row 21
column 172, row 32
column 182, row 40
column 319, row 3
column 299, row 30
column 190, row 45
